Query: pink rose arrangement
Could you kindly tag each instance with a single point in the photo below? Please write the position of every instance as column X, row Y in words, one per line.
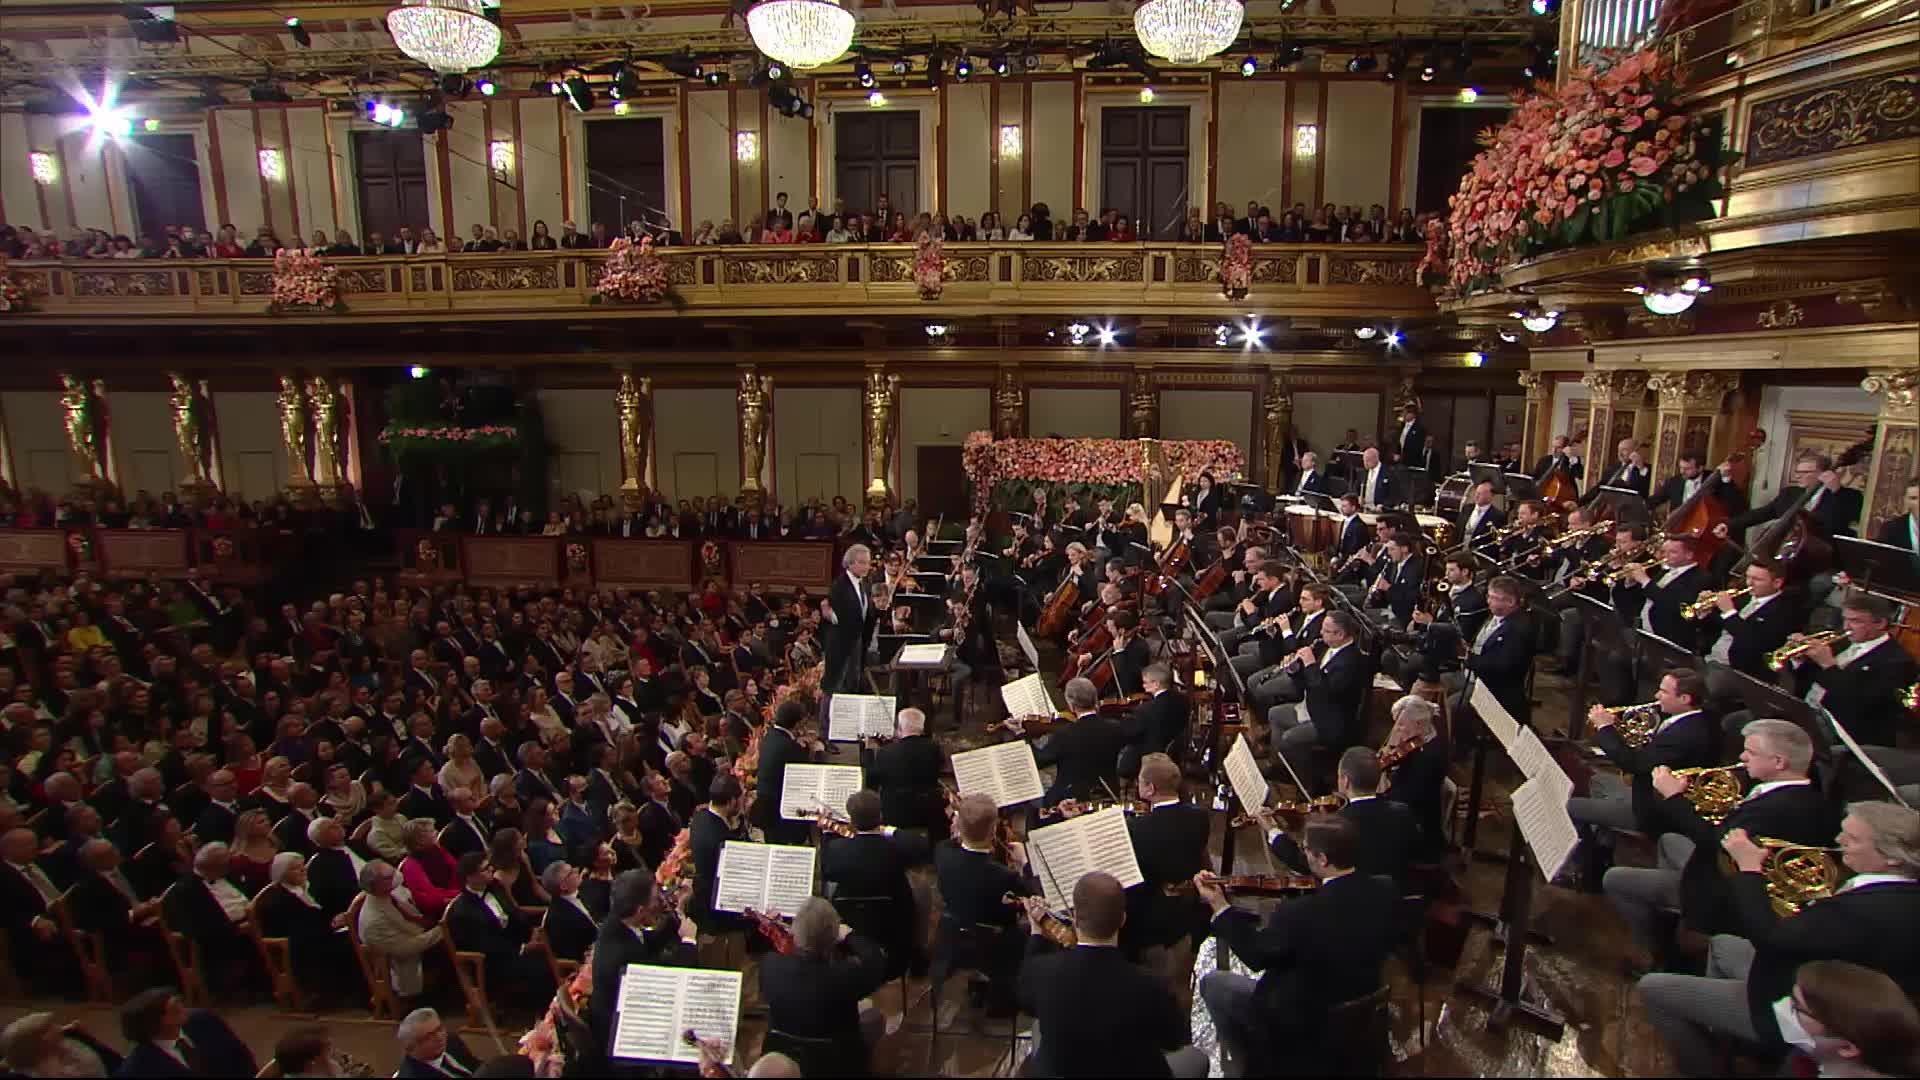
column 542, row 1042
column 448, row 440
column 576, row 558
column 425, row 555
column 302, row 280
column 1236, row 267
column 989, row 462
column 929, row 267
column 12, row 296
column 1601, row 157
column 632, row 274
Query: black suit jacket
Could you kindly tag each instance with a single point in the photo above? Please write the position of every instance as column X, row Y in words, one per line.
column 1865, row 695
column 1900, row 532
column 1335, row 693
column 1662, row 604
column 619, row 945
column 1403, row 585
column 291, row 833
column 1503, row 662
column 1412, row 445
column 973, row 886
column 1170, row 844
column 411, row 1067
column 1388, row 838
column 1084, row 753
column 1690, row 741
column 1838, row 511
column 819, row 998
column 1755, row 637
column 1099, row 1015
column 1129, row 662
column 460, row 837
column 906, row 773
column 215, row 824
column 708, row 835
column 192, row 910
column 1617, row 476
column 1418, row 783
column 846, row 635
column 569, row 931
column 1800, row 814
column 99, row 907
column 1876, row 926
column 1387, row 491
column 474, row 929
column 1158, row 725
column 777, row 750
column 331, row 880
column 1673, row 493
column 1492, row 519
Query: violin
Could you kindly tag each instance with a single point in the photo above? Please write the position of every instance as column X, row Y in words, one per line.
column 1057, row 930
column 1031, row 726
column 779, row 934
column 1325, row 804
column 1249, row 884
column 1074, row 807
column 1391, row 756
column 830, row 824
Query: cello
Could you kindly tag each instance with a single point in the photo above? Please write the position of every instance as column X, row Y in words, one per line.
column 1700, row 514
column 1056, row 615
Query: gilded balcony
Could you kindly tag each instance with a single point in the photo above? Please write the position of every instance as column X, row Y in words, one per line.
column 1353, row 280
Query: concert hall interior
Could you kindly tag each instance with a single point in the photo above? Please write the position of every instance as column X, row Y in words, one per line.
column 820, row 537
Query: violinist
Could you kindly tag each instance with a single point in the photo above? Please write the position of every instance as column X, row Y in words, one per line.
column 1205, row 498
column 873, row 862
column 1481, row 517
column 1131, row 536
column 723, row 818
column 970, row 628
column 1276, row 680
column 1157, row 725
column 906, row 773
column 1417, row 780
column 973, row 884
column 1072, row 516
column 782, row 745
column 815, row 992
column 1022, row 550
column 1084, row 753
column 1387, row 833
column 1100, row 527
column 1170, row 843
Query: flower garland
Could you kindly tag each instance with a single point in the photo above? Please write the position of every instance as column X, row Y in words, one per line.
column 304, row 281
column 1236, row 267
column 1101, row 463
column 12, row 296
column 448, row 440
column 1607, row 154
column 543, row 1042
column 632, row 274
column 930, row 267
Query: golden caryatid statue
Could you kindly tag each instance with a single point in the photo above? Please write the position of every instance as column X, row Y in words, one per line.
column 1143, row 407
column 191, row 433
column 1009, row 406
column 293, row 432
column 1276, row 413
column 635, row 400
column 325, row 403
column 85, row 435
column 882, row 393
column 754, row 397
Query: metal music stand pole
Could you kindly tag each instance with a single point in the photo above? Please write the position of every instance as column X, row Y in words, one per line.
column 1516, row 903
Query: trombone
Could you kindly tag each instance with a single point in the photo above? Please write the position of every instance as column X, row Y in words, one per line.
column 1778, row 659
column 1704, row 604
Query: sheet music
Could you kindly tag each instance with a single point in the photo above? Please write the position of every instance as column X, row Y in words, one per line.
column 1544, row 823
column 769, row 878
column 1027, row 696
column 932, row 654
column 853, row 716
column 659, row 1004
column 1027, row 646
column 1537, row 764
column 1383, row 681
column 1077, row 847
column 1860, row 755
column 1006, row 773
column 1494, row 715
column 808, row 788
column 1243, row 772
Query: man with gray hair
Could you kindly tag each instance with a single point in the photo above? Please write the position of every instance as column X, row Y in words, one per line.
column 849, row 616
column 208, row 907
column 1782, row 804
column 430, row 1049
column 1086, row 753
column 1418, row 780
column 815, row 991
column 1872, row 920
column 39, row 1045
column 906, row 773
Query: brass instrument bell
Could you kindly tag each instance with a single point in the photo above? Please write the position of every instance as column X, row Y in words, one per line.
column 1778, row 659
column 1704, row 604
column 1636, row 723
column 1714, row 792
column 1795, row 874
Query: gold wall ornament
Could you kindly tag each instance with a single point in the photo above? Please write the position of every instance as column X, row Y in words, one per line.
column 1009, row 405
column 1143, row 407
column 1690, row 405
column 293, row 433
column 191, row 431
column 1076, row 269
column 779, row 270
column 543, row 275
column 1881, row 301
column 1692, row 391
column 86, row 430
column 1276, row 421
column 1896, row 444
column 755, row 398
column 1533, row 423
column 325, row 404
column 1616, row 396
column 1859, row 112
column 883, row 392
column 1780, row 315
column 1898, row 390
column 635, row 402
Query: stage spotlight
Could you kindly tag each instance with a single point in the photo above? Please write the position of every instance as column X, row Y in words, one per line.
column 1288, row 55
column 717, row 77
column 1249, row 66
column 1397, row 60
column 578, row 93
column 775, row 70
column 863, row 72
column 1364, row 62
column 268, row 92
column 454, row 84
column 433, row 120
column 417, row 372
column 626, row 82
column 1544, row 8
column 1540, row 61
column 486, row 86
column 1000, row 64
column 902, row 65
column 963, row 69
column 300, row 35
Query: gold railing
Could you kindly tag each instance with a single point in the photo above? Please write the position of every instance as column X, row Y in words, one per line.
column 816, row 279
column 1747, row 32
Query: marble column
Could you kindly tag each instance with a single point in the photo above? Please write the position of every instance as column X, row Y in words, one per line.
column 193, row 433
column 634, row 400
column 294, row 436
column 755, row 398
column 1536, row 423
column 1276, row 416
column 1896, row 442
column 1009, row 404
column 1613, row 413
column 1143, row 406
column 1690, row 417
column 882, row 399
column 84, row 403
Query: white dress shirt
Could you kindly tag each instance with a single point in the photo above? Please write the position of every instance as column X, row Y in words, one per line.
column 231, row 900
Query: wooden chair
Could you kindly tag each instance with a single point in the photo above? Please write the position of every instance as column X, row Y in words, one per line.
column 381, row 999
column 270, row 1071
column 276, row 958
column 1356, row 1038
column 89, row 949
column 470, row 970
column 562, row 969
column 185, row 953
column 357, row 840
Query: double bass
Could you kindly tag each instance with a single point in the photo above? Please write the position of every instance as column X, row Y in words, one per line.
column 1699, row 515
column 1796, row 541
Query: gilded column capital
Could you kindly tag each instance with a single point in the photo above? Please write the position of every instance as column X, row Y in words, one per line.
column 755, row 398
column 1898, row 390
column 1693, row 391
column 1534, row 383
column 1616, row 386
column 634, row 402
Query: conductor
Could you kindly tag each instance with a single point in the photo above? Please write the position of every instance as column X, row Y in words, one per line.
column 850, row 618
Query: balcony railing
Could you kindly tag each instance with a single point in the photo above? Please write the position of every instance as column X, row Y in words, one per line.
column 1175, row 278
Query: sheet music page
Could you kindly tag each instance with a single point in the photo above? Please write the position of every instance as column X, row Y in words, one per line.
column 808, row 788
column 1860, row 755
column 1017, row 773
column 1027, row 646
column 1536, row 763
column 742, row 879
column 1383, row 681
column 789, row 878
column 1243, row 772
column 852, row 716
column 1494, row 715
column 974, row 773
column 1064, row 855
column 659, row 1004
column 1543, row 821
column 1027, row 696
column 1110, row 845
column 923, row 654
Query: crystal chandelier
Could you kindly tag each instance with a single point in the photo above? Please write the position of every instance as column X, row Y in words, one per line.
column 1187, row 31
column 801, row 33
column 445, row 35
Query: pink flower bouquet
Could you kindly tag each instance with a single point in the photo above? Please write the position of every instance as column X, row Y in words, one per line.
column 632, row 274
column 989, row 462
column 929, row 267
column 302, row 280
column 12, row 296
column 1236, row 267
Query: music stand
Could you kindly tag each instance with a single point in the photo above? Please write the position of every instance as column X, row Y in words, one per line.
column 1625, row 505
column 1486, row 472
column 1348, row 461
column 1878, row 566
column 1519, row 487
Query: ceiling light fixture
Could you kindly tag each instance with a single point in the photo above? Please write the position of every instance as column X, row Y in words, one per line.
column 299, row 32
column 864, row 73
column 1537, row 319
column 801, row 33
column 578, row 93
column 445, row 35
column 1188, row 31
column 1366, row 333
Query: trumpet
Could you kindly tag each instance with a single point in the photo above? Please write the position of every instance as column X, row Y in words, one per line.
column 1626, row 570
column 1910, row 697
column 1636, row 723
column 1704, row 604
column 1577, row 537
column 1778, row 659
column 1713, row 791
column 1796, row 874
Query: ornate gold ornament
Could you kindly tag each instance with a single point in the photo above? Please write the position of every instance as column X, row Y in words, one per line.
column 1143, row 407
column 882, row 394
column 635, row 402
column 755, row 397
column 293, row 432
column 324, row 401
column 191, row 433
column 86, row 437
column 1009, row 405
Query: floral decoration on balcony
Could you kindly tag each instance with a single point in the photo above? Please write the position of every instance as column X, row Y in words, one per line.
column 545, row 1044
column 1608, row 154
column 576, row 558
column 632, row 274
column 448, row 440
column 930, row 267
column 303, row 282
column 1236, row 267
column 13, row 298
column 1005, row 472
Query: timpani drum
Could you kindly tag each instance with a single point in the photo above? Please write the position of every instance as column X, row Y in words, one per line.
column 1303, row 523
column 1326, row 532
column 1437, row 529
